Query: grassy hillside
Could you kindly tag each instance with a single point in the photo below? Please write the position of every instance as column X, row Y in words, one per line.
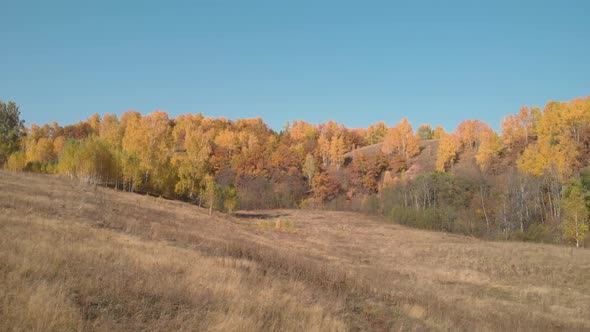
column 528, row 182
column 423, row 162
column 81, row 257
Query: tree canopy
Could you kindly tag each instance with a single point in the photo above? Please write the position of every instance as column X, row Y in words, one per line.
column 11, row 130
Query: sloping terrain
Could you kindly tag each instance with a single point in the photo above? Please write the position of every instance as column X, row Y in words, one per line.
column 424, row 162
column 80, row 257
column 368, row 151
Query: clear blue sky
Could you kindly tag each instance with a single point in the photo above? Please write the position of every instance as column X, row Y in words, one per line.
column 356, row 62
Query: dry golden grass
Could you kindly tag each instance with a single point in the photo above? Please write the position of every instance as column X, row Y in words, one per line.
column 78, row 257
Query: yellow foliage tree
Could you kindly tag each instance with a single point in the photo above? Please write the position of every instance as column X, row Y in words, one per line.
column 226, row 139
column 401, row 140
column 448, row 149
column 518, row 129
column 557, row 147
column 41, row 150
column 148, row 145
column 193, row 164
column 324, row 149
column 469, row 132
column 575, row 227
column 301, row 130
column 94, row 122
column 337, row 150
column 17, row 161
column 438, row 132
column 388, row 180
column 489, row 148
column 375, row 133
column 111, row 131
column 58, row 145
column 511, row 131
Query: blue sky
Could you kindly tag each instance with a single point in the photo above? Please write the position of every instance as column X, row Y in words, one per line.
column 356, row 62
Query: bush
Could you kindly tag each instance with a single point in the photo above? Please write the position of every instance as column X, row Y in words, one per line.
column 338, row 204
column 538, row 233
column 371, row 205
column 436, row 219
column 17, row 161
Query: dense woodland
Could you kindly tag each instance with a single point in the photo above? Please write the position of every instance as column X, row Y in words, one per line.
column 529, row 182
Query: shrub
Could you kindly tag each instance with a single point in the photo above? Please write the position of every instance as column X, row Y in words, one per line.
column 17, row 161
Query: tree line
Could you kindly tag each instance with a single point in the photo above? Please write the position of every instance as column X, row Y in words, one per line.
column 529, row 182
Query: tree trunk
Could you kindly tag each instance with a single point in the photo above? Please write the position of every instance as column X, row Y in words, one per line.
column 577, row 231
column 505, row 218
column 483, row 206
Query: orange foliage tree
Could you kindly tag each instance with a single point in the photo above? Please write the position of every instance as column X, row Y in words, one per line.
column 401, row 140
column 469, row 133
column 325, row 187
column 518, row 129
column 375, row 133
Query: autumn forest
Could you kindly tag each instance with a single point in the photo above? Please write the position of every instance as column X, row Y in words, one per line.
column 530, row 181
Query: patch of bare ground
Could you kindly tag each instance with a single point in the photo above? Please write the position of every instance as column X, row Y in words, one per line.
column 79, row 257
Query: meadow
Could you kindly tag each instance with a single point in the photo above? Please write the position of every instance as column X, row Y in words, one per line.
column 80, row 257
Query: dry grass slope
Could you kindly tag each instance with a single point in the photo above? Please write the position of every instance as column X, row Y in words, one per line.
column 78, row 257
